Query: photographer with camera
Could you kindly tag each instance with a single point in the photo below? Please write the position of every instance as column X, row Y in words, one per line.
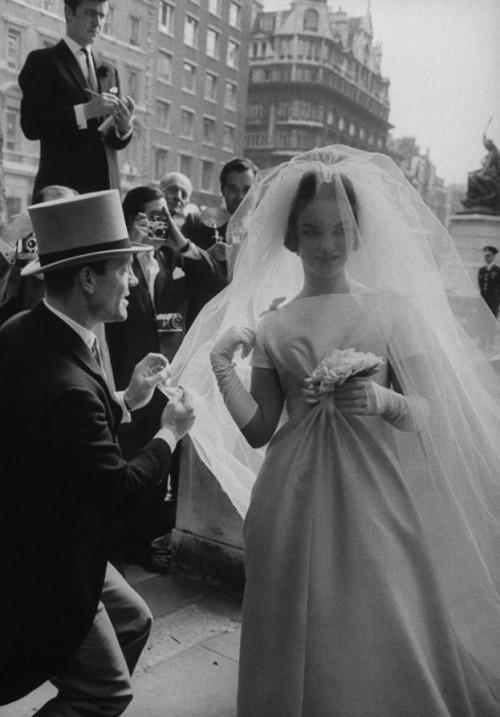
column 158, row 317
column 19, row 293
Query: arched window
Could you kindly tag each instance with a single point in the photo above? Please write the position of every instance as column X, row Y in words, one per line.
column 311, row 19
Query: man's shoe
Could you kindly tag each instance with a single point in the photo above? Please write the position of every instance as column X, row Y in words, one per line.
column 158, row 557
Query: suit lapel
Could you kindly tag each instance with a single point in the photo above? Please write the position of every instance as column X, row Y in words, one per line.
column 69, row 67
column 68, row 340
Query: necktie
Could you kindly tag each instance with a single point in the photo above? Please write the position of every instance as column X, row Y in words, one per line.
column 90, row 72
column 97, row 354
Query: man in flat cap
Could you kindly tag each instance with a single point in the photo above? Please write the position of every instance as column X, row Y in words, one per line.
column 67, row 615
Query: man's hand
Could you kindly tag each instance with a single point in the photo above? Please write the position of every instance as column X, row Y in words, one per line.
column 122, row 112
column 100, row 105
column 139, row 229
column 152, row 370
column 218, row 251
column 178, row 415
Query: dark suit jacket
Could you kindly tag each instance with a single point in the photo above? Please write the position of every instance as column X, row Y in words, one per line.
column 489, row 286
column 129, row 341
column 52, row 84
column 204, row 237
column 62, row 479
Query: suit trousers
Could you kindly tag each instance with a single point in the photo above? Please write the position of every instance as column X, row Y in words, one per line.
column 96, row 679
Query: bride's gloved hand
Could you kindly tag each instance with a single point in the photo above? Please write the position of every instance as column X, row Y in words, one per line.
column 364, row 397
column 240, row 403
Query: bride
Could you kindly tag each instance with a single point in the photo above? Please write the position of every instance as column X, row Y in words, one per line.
column 372, row 534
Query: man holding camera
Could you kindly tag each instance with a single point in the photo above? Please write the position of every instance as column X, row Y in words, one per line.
column 158, row 317
column 68, row 615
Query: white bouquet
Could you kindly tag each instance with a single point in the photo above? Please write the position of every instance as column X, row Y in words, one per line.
column 336, row 369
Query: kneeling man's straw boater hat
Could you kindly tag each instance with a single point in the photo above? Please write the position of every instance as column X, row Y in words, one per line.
column 78, row 230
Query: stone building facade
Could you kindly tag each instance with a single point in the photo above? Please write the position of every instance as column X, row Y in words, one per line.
column 315, row 79
column 185, row 63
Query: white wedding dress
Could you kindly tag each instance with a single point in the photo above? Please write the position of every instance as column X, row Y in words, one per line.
column 342, row 615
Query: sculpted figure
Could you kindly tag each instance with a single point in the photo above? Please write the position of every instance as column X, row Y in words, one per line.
column 483, row 189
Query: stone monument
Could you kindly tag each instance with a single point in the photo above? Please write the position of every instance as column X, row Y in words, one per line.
column 483, row 186
column 478, row 224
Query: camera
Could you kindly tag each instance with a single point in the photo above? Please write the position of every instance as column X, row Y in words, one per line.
column 169, row 322
column 158, row 227
column 26, row 248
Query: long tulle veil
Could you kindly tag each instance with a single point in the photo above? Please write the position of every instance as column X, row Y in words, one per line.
column 427, row 306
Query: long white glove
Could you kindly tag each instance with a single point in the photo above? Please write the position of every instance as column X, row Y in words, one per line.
column 240, row 403
column 363, row 397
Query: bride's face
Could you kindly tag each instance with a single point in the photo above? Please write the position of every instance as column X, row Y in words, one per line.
column 322, row 244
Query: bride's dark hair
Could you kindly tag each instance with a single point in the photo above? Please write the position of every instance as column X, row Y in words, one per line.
column 308, row 188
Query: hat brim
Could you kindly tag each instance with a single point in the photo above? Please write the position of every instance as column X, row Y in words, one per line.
column 35, row 267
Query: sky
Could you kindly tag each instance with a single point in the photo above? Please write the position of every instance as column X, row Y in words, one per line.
column 442, row 58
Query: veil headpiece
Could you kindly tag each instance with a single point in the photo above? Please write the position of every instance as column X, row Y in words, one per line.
column 427, row 305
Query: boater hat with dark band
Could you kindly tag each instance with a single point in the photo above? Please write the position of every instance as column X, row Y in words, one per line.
column 78, row 230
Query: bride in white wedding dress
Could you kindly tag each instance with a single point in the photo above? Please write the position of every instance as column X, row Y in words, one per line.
column 372, row 534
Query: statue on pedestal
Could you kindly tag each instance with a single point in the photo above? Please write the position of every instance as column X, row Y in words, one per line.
column 483, row 186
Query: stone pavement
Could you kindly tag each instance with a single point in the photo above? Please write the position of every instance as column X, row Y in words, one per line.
column 189, row 667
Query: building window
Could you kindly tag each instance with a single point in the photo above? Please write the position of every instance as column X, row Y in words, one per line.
column 214, row 7
column 12, row 119
column 162, row 117
column 258, row 74
column 235, row 15
column 266, row 22
column 256, row 111
column 13, row 207
column 133, row 84
column 164, row 66
column 187, row 124
column 109, row 22
column 49, row 5
column 341, row 124
column 191, row 31
column 133, row 152
column 166, row 21
column 161, row 163
column 285, row 48
column 213, row 42
column 230, row 93
column 211, row 82
column 233, row 54
column 352, row 129
column 135, row 25
column 207, row 176
column 208, row 131
column 311, row 20
column 189, row 77
column 186, row 164
column 13, row 48
column 228, row 138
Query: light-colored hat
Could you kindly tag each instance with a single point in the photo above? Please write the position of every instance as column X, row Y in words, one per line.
column 78, row 230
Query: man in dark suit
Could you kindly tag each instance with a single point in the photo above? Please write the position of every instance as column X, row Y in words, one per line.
column 66, row 97
column 235, row 180
column 67, row 615
column 170, row 283
column 489, row 279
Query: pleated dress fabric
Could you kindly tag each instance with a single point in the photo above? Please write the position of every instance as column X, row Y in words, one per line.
column 343, row 615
